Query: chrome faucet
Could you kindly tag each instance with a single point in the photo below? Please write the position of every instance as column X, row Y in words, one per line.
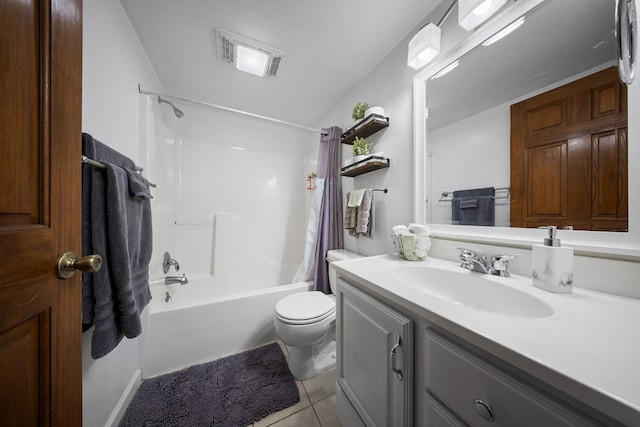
column 496, row 265
column 169, row 280
column 167, row 262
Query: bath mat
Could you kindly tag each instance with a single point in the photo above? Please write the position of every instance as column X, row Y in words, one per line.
column 234, row 391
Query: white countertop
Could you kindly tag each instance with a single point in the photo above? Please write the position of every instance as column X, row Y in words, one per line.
column 589, row 347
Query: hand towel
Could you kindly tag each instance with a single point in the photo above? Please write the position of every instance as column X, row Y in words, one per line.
column 365, row 215
column 138, row 185
column 355, row 198
column 473, row 207
column 350, row 214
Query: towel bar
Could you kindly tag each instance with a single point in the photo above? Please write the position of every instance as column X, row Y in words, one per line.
column 447, row 196
column 92, row 162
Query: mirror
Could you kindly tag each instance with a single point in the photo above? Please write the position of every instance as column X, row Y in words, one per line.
column 469, row 108
column 448, row 104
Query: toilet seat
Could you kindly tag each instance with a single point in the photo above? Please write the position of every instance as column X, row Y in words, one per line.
column 305, row 307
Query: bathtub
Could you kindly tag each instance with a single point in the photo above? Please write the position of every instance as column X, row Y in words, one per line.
column 203, row 321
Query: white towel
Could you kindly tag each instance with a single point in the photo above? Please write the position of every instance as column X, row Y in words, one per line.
column 419, row 229
column 355, row 198
column 399, row 229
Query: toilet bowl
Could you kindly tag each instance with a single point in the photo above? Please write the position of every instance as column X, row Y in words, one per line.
column 305, row 322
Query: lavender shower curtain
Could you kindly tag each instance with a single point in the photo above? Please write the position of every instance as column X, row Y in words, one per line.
column 330, row 233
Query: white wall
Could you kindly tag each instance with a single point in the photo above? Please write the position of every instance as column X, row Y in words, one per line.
column 249, row 175
column 471, row 153
column 389, row 86
column 114, row 63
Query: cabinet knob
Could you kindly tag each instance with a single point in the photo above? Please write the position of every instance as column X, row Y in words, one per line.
column 484, row 410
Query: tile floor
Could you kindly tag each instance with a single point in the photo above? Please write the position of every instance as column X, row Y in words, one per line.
column 317, row 406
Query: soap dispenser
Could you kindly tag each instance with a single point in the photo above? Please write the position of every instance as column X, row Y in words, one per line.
column 552, row 265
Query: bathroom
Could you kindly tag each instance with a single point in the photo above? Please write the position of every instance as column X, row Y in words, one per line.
column 266, row 176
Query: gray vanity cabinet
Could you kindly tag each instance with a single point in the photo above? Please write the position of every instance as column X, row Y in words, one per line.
column 375, row 361
column 443, row 380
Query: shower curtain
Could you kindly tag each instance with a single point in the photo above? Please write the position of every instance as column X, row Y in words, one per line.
column 305, row 270
column 330, row 233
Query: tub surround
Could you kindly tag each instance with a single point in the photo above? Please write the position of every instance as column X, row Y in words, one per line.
column 586, row 351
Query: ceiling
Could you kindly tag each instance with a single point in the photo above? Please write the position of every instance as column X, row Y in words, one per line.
column 330, row 45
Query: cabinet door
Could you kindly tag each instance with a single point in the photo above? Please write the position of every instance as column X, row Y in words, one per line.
column 375, row 358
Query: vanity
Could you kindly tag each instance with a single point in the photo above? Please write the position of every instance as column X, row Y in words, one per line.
column 432, row 344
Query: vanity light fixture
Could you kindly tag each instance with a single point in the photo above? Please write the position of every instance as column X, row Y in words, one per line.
column 504, row 32
column 472, row 13
column 248, row 55
column 445, row 70
column 424, row 46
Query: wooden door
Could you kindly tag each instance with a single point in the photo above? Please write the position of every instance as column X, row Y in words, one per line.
column 569, row 156
column 40, row 211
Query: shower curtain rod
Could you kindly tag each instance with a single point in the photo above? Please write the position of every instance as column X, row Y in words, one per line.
column 232, row 110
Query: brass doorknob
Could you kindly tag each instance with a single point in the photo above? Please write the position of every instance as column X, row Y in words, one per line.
column 68, row 263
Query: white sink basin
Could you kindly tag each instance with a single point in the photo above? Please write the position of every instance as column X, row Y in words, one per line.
column 471, row 289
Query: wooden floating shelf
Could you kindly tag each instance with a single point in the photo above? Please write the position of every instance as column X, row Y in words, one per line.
column 369, row 164
column 366, row 127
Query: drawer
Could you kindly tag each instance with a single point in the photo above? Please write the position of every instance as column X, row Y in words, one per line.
column 480, row 394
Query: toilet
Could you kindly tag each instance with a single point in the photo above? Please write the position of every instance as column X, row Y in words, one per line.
column 305, row 322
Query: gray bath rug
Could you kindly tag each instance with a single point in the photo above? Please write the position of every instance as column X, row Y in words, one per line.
column 235, row 391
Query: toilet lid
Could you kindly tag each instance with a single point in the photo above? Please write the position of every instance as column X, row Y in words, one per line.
column 305, row 307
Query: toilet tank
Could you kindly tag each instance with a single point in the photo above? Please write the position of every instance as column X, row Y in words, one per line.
column 334, row 255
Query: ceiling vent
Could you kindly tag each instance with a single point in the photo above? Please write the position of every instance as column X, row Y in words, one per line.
column 248, row 55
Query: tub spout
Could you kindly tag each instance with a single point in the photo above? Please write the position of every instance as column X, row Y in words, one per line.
column 176, row 279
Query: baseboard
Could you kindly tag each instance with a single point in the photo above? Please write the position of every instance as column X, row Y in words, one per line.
column 125, row 399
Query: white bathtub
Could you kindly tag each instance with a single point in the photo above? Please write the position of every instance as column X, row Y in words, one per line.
column 203, row 321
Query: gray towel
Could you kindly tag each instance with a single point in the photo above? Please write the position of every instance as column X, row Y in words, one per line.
column 116, row 226
column 350, row 214
column 138, row 185
column 364, row 219
column 473, row 207
column 360, row 220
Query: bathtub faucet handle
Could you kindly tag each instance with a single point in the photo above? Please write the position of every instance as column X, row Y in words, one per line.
column 167, row 262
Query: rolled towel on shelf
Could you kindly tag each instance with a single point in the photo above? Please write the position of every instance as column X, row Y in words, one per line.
column 398, row 229
column 419, row 229
column 412, row 243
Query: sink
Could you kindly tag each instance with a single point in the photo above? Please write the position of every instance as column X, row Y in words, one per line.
column 475, row 290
